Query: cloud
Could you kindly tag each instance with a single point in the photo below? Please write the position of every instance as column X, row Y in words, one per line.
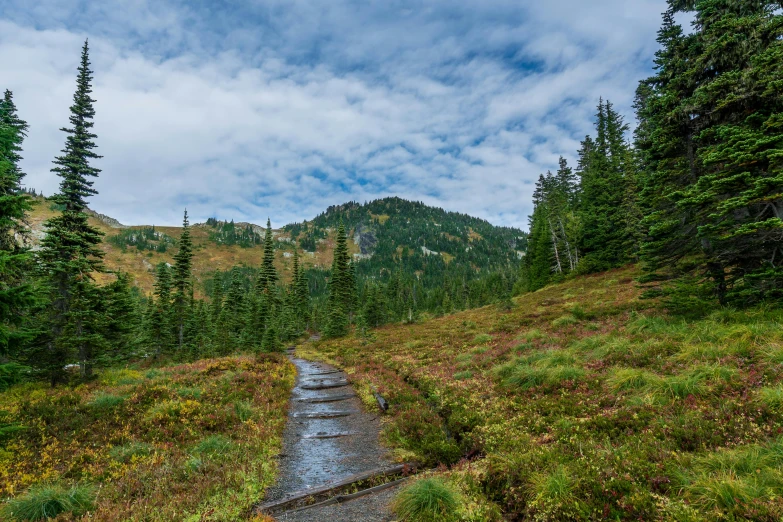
column 281, row 108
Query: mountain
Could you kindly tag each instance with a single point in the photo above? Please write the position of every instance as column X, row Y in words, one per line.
column 386, row 235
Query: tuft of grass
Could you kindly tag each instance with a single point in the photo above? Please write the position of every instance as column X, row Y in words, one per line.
column 106, row 401
column 772, row 397
column 631, row 379
column 153, row 374
column 459, row 376
column 189, row 393
column 555, row 486
column 48, row 501
column 427, row 500
column 680, row 386
column 773, row 354
column 565, row 320
column 531, row 335
column 126, row 452
column 482, row 338
column 244, row 410
column 213, row 446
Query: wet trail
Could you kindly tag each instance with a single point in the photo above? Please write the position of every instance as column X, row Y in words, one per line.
column 329, row 437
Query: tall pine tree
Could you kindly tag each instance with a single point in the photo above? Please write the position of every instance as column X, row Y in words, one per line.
column 70, row 253
column 182, row 283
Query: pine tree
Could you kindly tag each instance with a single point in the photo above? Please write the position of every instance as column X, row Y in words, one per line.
column 122, row 318
column 158, row 324
column 342, row 289
column 16, row 293
column 267, row 278
column 711, row 144
column 70, row 252
column 604, row 239
column 181, row 282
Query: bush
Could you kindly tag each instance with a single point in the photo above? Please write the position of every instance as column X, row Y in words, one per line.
column 48, row 501
column 428, row 499
column 11, row 374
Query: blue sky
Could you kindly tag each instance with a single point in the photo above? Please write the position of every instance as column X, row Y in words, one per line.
column 247, row 109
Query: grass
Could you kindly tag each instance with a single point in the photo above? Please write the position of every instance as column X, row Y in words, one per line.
column 618, row 412
column 45, row 502
column 187, row 442
column 427, row 500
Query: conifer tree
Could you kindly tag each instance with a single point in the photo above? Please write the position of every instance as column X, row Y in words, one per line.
column 267, row 278
column 16, row 294
column 342, row 289
column 182, row 284
column 122, row 320
column 711, row 145
column 70, row 252
column 158, row 327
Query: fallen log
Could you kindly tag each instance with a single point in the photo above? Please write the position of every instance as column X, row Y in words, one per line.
column 345, row 498
column 312, row 495
column 324, row 385
column 333, row 398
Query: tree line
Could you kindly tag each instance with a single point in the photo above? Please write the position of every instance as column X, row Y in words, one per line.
column 697, row 194
column 54, row 316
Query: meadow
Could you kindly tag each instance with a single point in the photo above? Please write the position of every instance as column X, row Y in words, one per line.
column 584, row 401
column 182, row 442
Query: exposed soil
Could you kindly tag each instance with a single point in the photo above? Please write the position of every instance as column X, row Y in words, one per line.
column 329, row 436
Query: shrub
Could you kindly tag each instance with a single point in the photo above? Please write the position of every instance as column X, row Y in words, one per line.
column 427, row 500
column 126, row 452
column 47, row 501
column 153, row 374
column 120, row 377
column 11, row 374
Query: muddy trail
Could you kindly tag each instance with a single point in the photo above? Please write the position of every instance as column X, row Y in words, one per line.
column 332, row 466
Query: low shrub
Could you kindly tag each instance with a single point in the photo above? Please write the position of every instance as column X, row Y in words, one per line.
column 482, row 338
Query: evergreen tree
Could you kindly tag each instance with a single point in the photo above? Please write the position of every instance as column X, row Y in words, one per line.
column 122, row 320
column 342, row 289
column 711, row 145
column 70, row 252
column 604, row 238
column 158, row 324
column 181, row 281
column 267, row 278
column 16, row 293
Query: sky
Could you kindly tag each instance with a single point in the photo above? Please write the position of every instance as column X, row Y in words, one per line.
column 248, row 109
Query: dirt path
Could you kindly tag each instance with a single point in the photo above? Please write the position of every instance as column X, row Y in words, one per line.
column 329, row 437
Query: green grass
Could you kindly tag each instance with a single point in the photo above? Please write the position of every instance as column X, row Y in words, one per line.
column 459, row 376
column 48, row 501
column 482, row 338
column 126, row 452
column 565, row 320
column 622, row 379
column 213, row 446
column 427, row 500
column 106, row 401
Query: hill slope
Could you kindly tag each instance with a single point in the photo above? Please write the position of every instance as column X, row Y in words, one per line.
column 383, row 236
column 586, row 402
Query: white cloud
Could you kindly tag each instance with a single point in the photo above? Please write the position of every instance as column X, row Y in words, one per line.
column 289, row 107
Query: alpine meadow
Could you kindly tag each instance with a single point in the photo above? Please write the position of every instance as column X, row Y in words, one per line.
column 619, row 356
